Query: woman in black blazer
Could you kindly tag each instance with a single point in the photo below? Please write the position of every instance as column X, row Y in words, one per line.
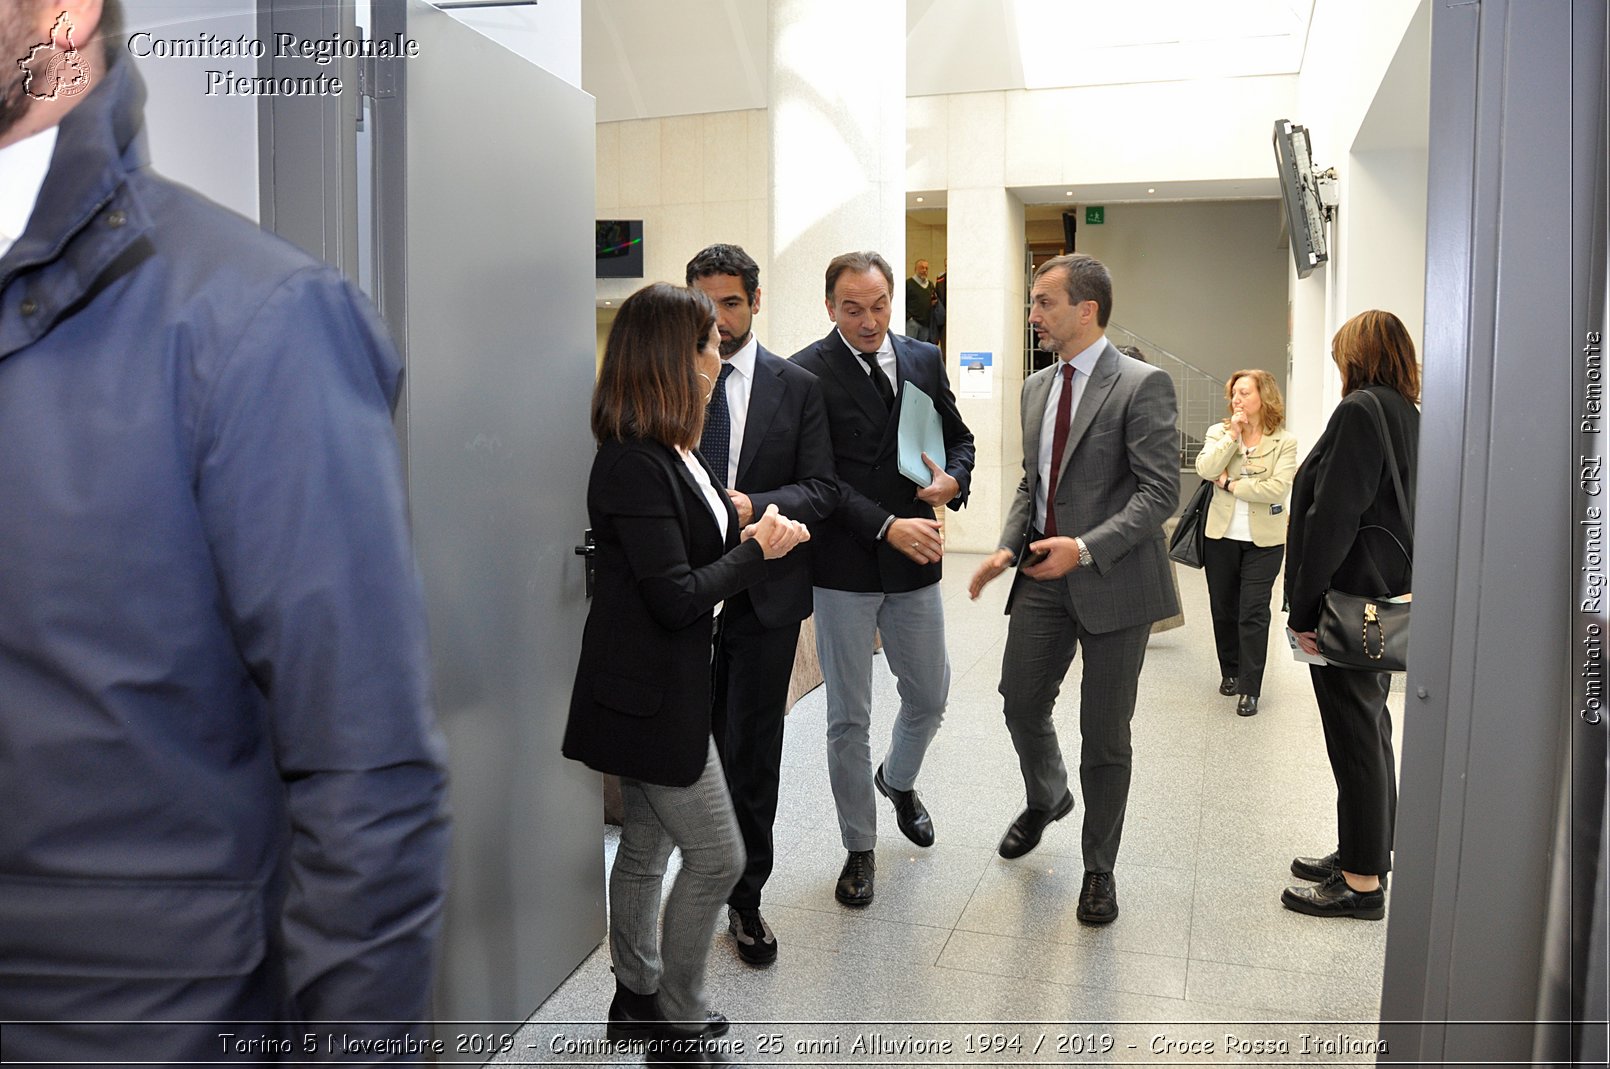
column 669, row 551
column 1343, row 488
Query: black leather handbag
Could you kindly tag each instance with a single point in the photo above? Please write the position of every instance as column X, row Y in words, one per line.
column 1370, row 633
column 1189, row 540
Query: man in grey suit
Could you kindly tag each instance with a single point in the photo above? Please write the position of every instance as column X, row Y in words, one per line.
column 1100, row 474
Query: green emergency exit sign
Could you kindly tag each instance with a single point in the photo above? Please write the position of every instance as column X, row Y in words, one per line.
column 1095, row 216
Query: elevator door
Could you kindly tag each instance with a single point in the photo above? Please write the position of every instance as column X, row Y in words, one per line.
column 483, row 212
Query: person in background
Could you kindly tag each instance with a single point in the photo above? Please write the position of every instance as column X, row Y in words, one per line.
column 877, row 559
column 765, row 437
column 1344, row 519
column 222, row 783
column 670, row 549
column 920, row 300
column 1250, row 460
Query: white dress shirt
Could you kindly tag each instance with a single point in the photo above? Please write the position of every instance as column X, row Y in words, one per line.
column 1240, row 527
column 1084, row 362
column 22, row 176
column 713, row 496
column 739, row 386
column 885, row 359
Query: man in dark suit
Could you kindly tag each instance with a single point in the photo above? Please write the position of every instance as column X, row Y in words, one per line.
column 1100, row 474
column 876, row 559
column 765, row 435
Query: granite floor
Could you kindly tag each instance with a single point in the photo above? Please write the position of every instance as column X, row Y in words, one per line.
column 965, row 958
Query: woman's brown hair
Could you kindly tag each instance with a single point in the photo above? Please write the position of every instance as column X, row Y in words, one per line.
column 649, row 385
column 1274, row 406
column 1374, row 349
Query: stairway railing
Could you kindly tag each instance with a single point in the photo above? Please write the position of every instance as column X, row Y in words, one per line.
column 1200, row 395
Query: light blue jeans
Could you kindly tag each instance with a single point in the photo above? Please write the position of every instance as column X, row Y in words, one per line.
column 913, row 629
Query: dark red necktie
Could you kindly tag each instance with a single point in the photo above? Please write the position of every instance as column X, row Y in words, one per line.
column 1059, row 440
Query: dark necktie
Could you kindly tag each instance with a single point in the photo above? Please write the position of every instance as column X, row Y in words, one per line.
column 716, row 441
column 880, row 381
column 1059, row 440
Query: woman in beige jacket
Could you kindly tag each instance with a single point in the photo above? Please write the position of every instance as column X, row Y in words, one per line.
column 1251, row 461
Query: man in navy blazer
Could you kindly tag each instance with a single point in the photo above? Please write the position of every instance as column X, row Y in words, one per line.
column 876, row 559
column 766, row 438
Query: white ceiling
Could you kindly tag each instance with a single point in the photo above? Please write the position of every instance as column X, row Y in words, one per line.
column 652, row 58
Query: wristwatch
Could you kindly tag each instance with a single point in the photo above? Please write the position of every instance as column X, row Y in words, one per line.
column 1085, row 559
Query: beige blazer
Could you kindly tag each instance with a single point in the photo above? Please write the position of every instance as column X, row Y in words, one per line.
column 1274, row 461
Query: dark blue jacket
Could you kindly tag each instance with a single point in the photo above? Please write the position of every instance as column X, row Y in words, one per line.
column 218, row 763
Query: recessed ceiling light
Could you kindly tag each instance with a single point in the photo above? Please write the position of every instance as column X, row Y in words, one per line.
column 919, row 200
column 1152, row 190
column 607, row 304
column 1069, row 193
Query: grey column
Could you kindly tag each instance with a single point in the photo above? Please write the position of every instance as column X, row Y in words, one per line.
column 1489, row 726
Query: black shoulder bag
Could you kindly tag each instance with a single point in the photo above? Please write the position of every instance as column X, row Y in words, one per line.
column 1365, row 633
column 1189, row 540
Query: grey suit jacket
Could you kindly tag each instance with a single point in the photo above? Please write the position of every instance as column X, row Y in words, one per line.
column 1120, row 481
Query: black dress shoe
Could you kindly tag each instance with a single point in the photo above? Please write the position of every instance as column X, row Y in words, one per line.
column 1024, row 834
column 1334, row 898
column 756, row 944
column 855, row 879
column 1227, row 686
column 1246, row 705
column 909, row 812
column 1320, row 869
column 1098, row 899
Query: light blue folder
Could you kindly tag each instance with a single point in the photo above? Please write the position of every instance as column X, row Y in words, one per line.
column 920, row 432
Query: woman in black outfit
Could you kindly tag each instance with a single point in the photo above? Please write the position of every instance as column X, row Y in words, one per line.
column 669, row 551
column 1341, row 489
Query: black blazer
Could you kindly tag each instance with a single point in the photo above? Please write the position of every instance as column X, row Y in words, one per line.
column 1343, row 486
column 640, row 706
column 846, row 552
column 786, row 460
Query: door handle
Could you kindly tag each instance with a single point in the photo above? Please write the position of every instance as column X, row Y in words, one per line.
column 588, row 550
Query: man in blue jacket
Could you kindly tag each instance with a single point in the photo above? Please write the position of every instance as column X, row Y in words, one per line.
column 220, row 780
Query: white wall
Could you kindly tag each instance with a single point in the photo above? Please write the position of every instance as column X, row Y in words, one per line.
column 1154, row 132
column 1205, row 280
column 206, row 142
column 548, row 34
column 693, row 180
column 1362, row 93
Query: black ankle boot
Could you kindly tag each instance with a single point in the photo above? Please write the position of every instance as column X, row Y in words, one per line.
column 633, row 1016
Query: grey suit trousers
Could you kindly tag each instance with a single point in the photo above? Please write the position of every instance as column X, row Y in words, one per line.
column 1042, row 636
column 697, row 819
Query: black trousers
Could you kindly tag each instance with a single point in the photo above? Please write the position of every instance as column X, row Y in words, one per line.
column 1240, row 576
column 1358, row 739
column 752, row 669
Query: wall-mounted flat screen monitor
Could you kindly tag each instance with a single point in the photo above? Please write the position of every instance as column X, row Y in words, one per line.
column 1305, row 218
column 620, row 248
